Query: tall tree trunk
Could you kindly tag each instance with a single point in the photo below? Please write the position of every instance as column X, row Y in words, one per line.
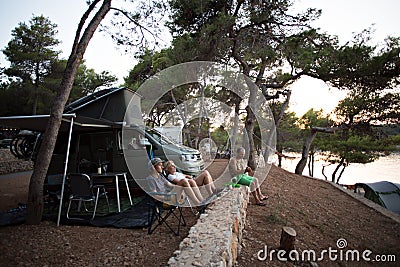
column 306, row 149
column 200, row 120
column 235, row 127
column 250, row 123
column 183, row 117
column 249, row 126
column 35, row 99
column 250, row 118
column 277, row 120
column 311, row 164
column 35, row 197
column 284, row 106
column 36, row 89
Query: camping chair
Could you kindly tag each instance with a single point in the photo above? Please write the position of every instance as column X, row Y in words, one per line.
column 52, row 189
column 82, row 190
column 160, row 212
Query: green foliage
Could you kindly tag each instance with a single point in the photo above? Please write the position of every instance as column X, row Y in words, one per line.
column 253, row 33
column 31, row 54
column 364, row 106
column 31, row 49
column 357, row 149
column 15, row 94
column 35, row 72
column 395, row 140
column 190, row 16
column 86, row 80
column 361, row 66
column 289, row 134
column 391, row 129
column 220, row 136
column 14, row 98
column 149, row 63
column 314, row 118
column 262, row 38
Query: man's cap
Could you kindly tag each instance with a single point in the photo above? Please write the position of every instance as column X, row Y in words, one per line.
column 155, row 161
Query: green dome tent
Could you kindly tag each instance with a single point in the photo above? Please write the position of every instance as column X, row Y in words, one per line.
column 384, row 193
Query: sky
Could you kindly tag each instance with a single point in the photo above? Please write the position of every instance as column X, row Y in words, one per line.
column 339, row 17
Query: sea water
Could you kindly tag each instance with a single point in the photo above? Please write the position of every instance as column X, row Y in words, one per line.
column 383, row 169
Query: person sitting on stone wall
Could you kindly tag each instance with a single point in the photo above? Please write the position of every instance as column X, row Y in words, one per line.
column 244, row 175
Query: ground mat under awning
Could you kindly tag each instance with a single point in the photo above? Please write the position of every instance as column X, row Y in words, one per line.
column 135, row 216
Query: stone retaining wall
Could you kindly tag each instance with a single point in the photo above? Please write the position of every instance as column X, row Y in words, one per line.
column 216, row 237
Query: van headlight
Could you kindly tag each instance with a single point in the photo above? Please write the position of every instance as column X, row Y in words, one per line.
column 190, row 157
column 185, row 157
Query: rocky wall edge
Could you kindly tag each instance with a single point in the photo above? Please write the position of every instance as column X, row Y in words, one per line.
column 215, row 240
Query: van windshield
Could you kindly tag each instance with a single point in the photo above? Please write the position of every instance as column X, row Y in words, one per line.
column 160, row 137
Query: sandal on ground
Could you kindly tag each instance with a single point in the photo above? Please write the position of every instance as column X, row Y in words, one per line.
column 264, row 198
column 260, row 204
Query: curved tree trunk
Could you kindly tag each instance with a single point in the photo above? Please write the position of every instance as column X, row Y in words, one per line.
column 306, row 149
column 336, row 170
column 307, row 144
column 323, row 171
column 341, row 173
column 249, row 126
column 35, row 197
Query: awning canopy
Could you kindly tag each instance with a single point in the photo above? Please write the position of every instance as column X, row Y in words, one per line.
column 102, row 109
column 38, row 123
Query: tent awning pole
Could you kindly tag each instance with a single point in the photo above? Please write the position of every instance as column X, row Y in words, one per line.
column 65, row 171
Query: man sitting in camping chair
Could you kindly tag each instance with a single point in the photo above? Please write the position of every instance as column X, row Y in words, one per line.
column 167, row 198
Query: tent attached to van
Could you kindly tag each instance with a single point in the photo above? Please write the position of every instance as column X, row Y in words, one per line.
column 91, row 133
column 92, row 120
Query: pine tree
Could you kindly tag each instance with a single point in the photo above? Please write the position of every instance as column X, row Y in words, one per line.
column 31, row 53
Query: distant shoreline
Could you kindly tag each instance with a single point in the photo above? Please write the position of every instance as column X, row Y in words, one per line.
column 355, row 172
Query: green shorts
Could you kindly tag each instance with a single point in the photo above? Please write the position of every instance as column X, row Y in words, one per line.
column 244, row 179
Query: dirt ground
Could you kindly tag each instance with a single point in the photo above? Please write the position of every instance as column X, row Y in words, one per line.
column 324, row 218
column 320, row 214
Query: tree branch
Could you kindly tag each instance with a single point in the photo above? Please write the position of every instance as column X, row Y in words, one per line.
column 81, row 24
column 126, row 14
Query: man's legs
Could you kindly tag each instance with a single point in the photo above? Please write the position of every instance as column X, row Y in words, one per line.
column 192, row 192
column 205, row 179
column 256, row 192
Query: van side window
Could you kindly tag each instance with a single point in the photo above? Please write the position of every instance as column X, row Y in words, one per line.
column 131, row 140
